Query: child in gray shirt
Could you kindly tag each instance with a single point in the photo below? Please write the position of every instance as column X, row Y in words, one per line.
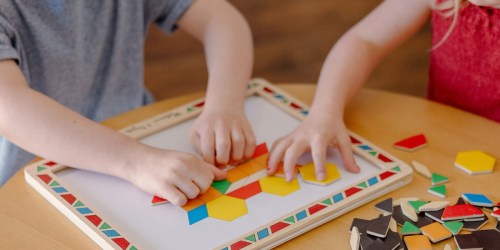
column 65, row 64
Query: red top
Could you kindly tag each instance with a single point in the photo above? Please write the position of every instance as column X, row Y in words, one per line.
column 465, row 71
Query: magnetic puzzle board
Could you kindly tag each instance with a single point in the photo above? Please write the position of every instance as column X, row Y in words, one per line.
column 247, row 211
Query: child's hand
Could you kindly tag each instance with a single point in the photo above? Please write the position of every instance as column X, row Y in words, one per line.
column 315, row 134
column 175, row 176
column 223, row 136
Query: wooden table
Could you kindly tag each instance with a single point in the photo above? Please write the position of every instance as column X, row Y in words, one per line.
column 28, row 221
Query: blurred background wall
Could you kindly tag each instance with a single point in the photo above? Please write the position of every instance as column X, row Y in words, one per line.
column 291, row 39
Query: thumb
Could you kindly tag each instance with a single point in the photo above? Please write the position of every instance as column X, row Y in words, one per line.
column 219, row 174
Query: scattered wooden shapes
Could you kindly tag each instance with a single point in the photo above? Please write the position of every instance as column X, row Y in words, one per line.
column 462, row 211
column 379, row 226
column 409, row 229
column 460, row 200
column 434, row 206
column 467, row 241
column 437, row 179
column 397, row 215
column 436, row 232
column 355, row 238
column 393, row 225
column 392, row 240
column 423, row 220
column 365, row 241
column 384, row 206
column 477, row 199
column 475, row 162
column 439, row 191
column 489, row 239
column 412, row 143
column 453, row 226
column 376, row 245
column 420, row 242
column 421, row 169
column 409, row 212
column 416, row 205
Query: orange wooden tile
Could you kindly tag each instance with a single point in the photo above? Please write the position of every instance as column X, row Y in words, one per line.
column 436, row 232
column 209, row 195
column 192, row 204
column 236, row 174
column 251, row 167
column 420, row 242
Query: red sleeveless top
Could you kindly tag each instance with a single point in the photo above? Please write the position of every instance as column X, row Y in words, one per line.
column 465, row 71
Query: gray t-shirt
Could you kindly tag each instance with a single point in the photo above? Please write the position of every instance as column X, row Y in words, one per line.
column 87, row 55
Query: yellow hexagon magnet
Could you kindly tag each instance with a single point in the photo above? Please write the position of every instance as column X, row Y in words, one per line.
column 308, row 173
column 475, row 162
column 227, row 208
column 278, row 186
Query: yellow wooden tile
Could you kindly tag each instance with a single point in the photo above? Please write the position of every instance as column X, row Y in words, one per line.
column 227, row 208
column 475, row 162
column 308, row 173
column 278, row 186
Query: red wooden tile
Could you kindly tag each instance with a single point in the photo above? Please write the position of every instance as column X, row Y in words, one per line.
column 45, row 178
column 260, row 150
column 121, row 242
column 351, row 191
column 412, row 143
column 316, row 208
column 158, row 200
column 461, row 211
column 278, row 226
column 386, row 175
column 247, row 191
column 69, row 198
column 94, row 219
column 383, row 158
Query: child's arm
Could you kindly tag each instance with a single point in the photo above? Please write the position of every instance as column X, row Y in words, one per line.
column 44, row 127
column 345, row 70
column 222, row 132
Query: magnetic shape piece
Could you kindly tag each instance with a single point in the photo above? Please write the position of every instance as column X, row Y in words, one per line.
column 447, row 247
column 409, row 229
column 409, row 212
column 379, row 226
column 435, row 215
column 498, row 226
column 489, row 238
column 392, row 240
column 251, row 167
column 247, row 191
column 437, row 179
column 412, row 143
column 393, row 225
column 192, row 204
column 210, row 195
column 308, row 173
column 475, row 225
column 439, row 191
column 475, row 162
column 421, row 169
column 227, row 208
column 235, row 174
column 158, row 200
column 385, row 206
column 467, row 241
column 197, row 214
column 462, row 211
column 453, row 226
column 496, row 214
column 420, row 242
column 221, row 186
column 477, row 199
column 423, row 220
column 416, row 205
column 260, row 150
column 436, row 232
column 398, row 216
column 365, row 241
column 355, row 238
column 376, row 244
column 360, row 224
column 433, row 206
column 278, row 186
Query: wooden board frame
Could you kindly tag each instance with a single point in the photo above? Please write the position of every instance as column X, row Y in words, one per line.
column 393, row 174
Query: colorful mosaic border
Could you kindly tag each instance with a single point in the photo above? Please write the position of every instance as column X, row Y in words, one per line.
column 47, row 177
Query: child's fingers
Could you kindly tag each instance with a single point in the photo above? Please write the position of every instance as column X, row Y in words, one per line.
column 292, row 154
column 249, row 142
column 237, row 144
column 194, row 138
column 173, row 195
column 318, row 153
column 188, row 188
column 207, row 142
column 347, row 155
column 219, row 174
column 222, row 146
column 277, row 153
